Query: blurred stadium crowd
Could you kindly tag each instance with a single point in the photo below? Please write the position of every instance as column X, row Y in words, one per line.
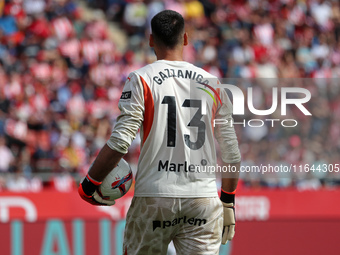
column 61, row 75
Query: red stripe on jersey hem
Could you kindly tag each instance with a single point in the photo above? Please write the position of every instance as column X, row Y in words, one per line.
column 148, row 110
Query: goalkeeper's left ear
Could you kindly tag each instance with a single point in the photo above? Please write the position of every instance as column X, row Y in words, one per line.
column 228, row 201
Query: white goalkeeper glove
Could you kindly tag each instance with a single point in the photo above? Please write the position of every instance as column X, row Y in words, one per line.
column 228, row 201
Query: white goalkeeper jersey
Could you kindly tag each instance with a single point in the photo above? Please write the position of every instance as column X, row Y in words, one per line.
column 174, row 105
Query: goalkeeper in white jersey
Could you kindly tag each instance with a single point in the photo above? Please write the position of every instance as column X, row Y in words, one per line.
column 174, row 104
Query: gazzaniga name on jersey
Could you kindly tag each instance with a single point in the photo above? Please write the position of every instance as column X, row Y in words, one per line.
column 173, row 167
column 185, row 74
column 169, row 223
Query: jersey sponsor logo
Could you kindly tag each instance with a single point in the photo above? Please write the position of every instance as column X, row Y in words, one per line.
column 175, row 167
column 126, row 95
column 171, row 223
column 179, row 73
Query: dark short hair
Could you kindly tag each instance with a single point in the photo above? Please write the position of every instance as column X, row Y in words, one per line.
column 167, row 28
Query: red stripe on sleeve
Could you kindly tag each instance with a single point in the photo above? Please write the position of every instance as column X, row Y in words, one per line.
column 148, row 110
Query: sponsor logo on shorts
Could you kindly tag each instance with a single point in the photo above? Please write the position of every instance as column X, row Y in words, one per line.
column 184, row 220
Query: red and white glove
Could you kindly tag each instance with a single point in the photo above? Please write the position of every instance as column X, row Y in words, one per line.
column 88, row 192
column 229, row 221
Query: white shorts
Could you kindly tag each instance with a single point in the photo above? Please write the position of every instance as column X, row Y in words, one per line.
column 193, row 224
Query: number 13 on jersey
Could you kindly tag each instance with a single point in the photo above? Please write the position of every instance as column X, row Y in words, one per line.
column 194, row 122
